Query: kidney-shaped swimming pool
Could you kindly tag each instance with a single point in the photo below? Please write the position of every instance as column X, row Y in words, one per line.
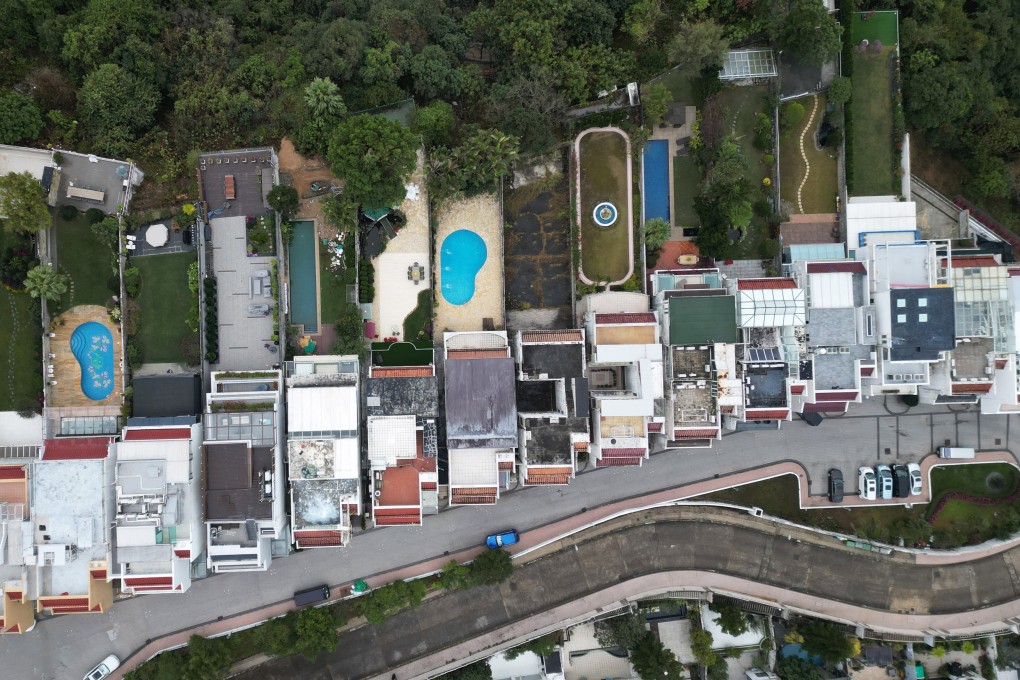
column 92, row 345
column 462, row 257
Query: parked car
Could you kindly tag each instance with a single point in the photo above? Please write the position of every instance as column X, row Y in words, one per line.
column 901, row 481
column 503, row 539
column 915, row 478
column 885, row 481
column 104, row 669
column 835, row 486
column 866, row 483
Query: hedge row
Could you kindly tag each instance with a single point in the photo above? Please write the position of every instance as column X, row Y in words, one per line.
column 846, row 16
column 212, row 328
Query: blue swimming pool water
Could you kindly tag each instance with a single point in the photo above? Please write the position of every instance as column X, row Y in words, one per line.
column 656, row 179
column 463, row 254
column 92, row 345
column 304, row 296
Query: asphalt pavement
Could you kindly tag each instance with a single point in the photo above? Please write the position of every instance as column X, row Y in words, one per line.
column 66, row 647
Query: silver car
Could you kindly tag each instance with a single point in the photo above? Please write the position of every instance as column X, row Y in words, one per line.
column 885, row 481
column 866, row 483
column 914, row 470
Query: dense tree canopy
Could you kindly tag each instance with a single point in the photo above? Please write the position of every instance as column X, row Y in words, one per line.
column 807, row 30
column 374, row 155
column 20, row 119
column 23, row 204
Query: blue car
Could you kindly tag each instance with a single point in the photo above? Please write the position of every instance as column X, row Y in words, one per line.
column 503, row 539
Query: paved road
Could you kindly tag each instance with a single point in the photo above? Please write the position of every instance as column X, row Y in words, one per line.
column 66, row 647
column 760, row 557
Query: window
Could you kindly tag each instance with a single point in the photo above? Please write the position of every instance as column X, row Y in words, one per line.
column 922, row 318
column 869, row 326
column 922, row 302
column 901, row 303
column 901, row 318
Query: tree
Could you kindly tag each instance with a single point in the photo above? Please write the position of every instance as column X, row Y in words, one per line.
column 827, row 641
column 491, row 567
column 840, row 90
column 375, row 156
column 732, row 619
column 283, row 199
column 719, row 670
column 657, row 231
column 475, row 166
column 701, row 647
column 20, row 118
column 315, row 632
column 23, row 204
column 698, row 45
column 435, row 123
column 43, row 281
column 455, row 576
column 790, row 115
column 107, row 232
column 113, row 103
column 796, row 668
column 651, row 659
column 641, row 18
column 323, row 99
column 938, row 96
column 620, row 631
column 208, row 658
column 479, row 670
column 807, row 31
column 542, row 646
column 656, row 103
column 434, row 73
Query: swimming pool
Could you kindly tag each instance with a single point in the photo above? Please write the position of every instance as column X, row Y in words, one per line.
column 462, row 257
column 656, row 179
column 304, row 294
column 92, row 345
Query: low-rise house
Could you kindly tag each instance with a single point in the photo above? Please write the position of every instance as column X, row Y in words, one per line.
column 552, row 404
column 403, row 448
column 481, row 415
column 158, row 526
column 242, row 459
column 625, row 376
column 323, row 449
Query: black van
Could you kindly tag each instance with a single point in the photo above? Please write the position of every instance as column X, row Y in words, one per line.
column 901, row 481
column 311, row 595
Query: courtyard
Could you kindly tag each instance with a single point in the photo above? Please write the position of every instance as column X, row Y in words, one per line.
column 603, row 180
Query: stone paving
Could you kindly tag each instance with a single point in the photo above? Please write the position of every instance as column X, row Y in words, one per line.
column 67, row 371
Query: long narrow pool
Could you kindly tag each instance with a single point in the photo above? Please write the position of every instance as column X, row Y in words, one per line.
column 304, row 290
column 656, row 179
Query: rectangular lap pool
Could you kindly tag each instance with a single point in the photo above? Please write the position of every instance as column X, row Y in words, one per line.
column 656, row 179
column 304, row 290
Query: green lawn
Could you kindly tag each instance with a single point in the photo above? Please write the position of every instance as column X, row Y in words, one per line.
column 959, row 522
column 686, row 177
column 679, row 85
column 603, row 176
column 819, row 192
column 881, row 26
column 418, row 324
column 88, row 262
column 164, row 302
column 20, row 346
column 873, row 125
column 332, row 288
column 402, row 353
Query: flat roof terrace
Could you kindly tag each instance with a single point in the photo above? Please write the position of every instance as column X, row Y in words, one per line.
column 691, row 362
column 693, row 404
column 254, row 174
column 970, row 359
column 766, row 386
column 233, row 481
column 625, row 335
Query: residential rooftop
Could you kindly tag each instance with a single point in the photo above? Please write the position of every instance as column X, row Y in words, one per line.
column 554, row 361
column 481, row 409
column 400, row 396
column 234, row 474
column 551, row 443
column 923, row 323
column 702, row 320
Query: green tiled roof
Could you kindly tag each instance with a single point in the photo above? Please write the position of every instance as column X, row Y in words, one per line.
column 701, row 320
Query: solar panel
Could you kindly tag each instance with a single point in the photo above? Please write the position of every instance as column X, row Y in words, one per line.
column 764, row 354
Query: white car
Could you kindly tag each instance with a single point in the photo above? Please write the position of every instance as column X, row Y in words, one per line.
column 885, row 481
column 105, row 667
column 867, row 487
column 914, row 470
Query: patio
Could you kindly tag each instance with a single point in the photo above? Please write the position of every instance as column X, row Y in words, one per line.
column 66, row 369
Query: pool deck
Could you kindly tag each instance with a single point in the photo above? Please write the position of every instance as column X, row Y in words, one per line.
column 396, row 296
column 66, row 370
column 480, row 214
column 673, row 136
column 315, row 286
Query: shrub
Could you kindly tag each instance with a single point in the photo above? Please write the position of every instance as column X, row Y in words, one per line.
column 94, row 215
column 490, row 568
column 67, row 212
column 132, row 280
column 791, row 115
column 134, row 355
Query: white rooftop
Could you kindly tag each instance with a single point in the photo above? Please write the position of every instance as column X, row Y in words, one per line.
column 19, row 159
column 18, row 431
column 831, row 290
column 322, row 409
column 176, row 454
column 469, row 467
column 770, row 307
column 868, row 214
column 390, row 438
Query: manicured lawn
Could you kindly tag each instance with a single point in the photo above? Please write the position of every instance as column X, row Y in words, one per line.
column 88, row 262
column 20, row 346
column 880, row 26
column 819, row 192
column 959, row 522
column 402, row 353
column 418, row 324
column 163, row 301
column 872, row 111
column 686, row 177
column 332, row 288
column 680, row 87
column 603, row 176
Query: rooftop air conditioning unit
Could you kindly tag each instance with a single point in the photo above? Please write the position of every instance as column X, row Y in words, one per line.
column 844, row 350
column 898, row 376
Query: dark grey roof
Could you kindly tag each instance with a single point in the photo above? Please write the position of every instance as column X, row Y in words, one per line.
column 162, row 422
column 536, row 396
column 553, row 663
column 923, row 323
column 481, row 408
column 403, row 396
column 167, row 394
column 581, row 397
column 831, row 326
column 550, row 442
column 557, row 361
column 231, row 491
column 878, row 655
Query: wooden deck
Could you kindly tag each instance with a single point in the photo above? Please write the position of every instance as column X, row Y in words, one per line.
column 67, row 371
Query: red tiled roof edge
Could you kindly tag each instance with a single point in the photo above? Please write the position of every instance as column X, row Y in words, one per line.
column 157, row 433
column 625, row 317
column 836, row 267
column 402, row 371
column 766, row 414
column 551, row 336
column 78, row 448
column 765, row 284
column 12, row 472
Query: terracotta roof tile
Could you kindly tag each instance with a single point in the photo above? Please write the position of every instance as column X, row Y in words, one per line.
column 974, row 261
column 402, row 371
column 12, row 472
column 1001, row 363
column 695, row 434
column 429, row 486
column 49, row 602
column 623, row 452
column 835, row 396
column 629, row 317
column 836, row 267
column 655, row 427
column 149, row 581
column 765, row 284
column 967, row 388
column 549, row 471
column 506, row 465
column 867, row 371
column 318, row 538
column 617, row 462
column 97, row 573
column 473, row 491
column 401, row 520
column 767, row 414
column 551, row 336
column 477, row 353
column 77, row 448
column 161, row 433
column 826, row 407
column 796, row 389
column 551, row 480
column 475, row 499
column 186, row 554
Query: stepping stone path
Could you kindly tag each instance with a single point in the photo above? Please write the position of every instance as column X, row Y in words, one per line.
column 807, row 164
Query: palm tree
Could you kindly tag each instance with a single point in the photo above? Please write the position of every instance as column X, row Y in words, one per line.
column 323, row 99
column 46, row 282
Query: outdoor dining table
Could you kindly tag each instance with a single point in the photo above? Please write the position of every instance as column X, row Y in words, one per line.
column 157, row 235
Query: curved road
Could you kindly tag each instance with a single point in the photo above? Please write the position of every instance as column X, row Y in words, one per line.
column 66, row 647
column 669, row 548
